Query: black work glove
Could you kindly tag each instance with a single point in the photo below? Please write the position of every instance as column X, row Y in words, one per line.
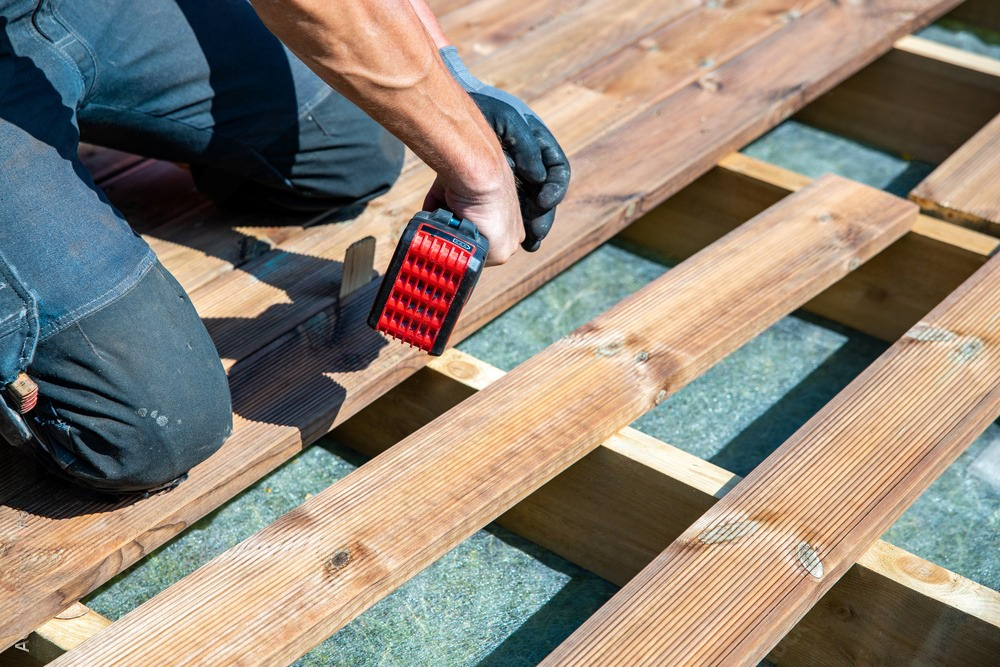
column 539, row 163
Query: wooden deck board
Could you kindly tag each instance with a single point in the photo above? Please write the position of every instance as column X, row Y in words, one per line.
column 617, row 508
column 322, row 564
column 883, row 298
column 767, row 552
column 301, row 384
column 966, row 187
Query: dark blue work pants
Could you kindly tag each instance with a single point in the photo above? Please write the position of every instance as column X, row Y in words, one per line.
column 132, row 390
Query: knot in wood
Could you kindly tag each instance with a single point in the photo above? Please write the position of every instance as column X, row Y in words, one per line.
column 338, row 561
column 728, row 532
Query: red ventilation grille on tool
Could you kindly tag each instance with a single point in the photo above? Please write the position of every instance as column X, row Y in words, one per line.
column 424, row 290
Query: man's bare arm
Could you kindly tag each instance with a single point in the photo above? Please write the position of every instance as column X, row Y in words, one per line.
column 380, row 55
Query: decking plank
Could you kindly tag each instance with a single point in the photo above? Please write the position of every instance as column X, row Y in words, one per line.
column 617, row 508
column 966, row 187
column 883, row 298
column 291, row 585
column 299, row 386
column 735, row 582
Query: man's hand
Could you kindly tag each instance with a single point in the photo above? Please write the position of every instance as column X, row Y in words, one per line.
column 492, row 206
column 383, row 56
column 538, row 162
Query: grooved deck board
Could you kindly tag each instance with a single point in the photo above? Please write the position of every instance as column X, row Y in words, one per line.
column 883, row 298
column 767, row 552
column 288, row 587
column 966, row 187
column 617, row 508
column 329, row 365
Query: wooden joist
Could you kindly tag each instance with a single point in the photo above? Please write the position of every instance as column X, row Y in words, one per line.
column 767, row 552
column 619, row 506
column 966, row 188
column 921, row 100
column 297, row 581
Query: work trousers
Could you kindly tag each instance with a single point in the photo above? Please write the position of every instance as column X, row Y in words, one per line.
column 132, row 392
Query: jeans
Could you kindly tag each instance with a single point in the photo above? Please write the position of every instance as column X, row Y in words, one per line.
column 85, row 308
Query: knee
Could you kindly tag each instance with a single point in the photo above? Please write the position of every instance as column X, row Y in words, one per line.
column 343, row 175
column 121, row 445
column 132, row 396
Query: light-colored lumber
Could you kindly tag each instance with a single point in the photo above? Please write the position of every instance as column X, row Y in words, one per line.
column 921, row 100
column 66, row 631
column 328, row 364
column 966, row 188
column 300, row 579
column 883, row 298
column 622, row 504
column 735, row 582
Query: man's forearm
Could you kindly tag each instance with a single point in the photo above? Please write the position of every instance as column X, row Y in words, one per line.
column 382, row 55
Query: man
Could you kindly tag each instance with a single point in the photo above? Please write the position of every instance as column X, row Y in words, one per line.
column 131, row 390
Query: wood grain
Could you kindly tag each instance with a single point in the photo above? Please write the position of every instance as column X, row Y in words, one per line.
column 328, row 366
column 767, row 552
column 621, row 505
column 966, row 188
column 921, row 100
column 66, row 631
column 291, row 585
column 883, row 298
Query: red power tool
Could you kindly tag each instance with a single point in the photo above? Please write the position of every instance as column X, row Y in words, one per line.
column 436, row 264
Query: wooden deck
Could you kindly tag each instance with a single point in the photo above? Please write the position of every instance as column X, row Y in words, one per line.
column 648, row 99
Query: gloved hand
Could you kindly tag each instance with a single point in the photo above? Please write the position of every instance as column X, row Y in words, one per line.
column 539, row 163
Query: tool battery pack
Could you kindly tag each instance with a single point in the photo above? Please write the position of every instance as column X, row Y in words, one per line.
column 436, row 264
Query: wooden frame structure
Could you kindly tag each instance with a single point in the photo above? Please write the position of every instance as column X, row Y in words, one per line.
column 606, row 498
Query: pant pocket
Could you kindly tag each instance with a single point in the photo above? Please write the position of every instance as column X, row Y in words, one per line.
column 53, row 28
column 18, row 326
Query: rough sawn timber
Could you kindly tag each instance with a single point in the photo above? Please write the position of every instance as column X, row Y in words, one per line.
column 327, row 366
column 285, row 589
column 767, row 552
column 966, row 187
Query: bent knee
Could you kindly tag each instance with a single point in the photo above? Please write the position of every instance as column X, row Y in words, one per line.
column 145, row 450
column 132, row 396
column 338, row 176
